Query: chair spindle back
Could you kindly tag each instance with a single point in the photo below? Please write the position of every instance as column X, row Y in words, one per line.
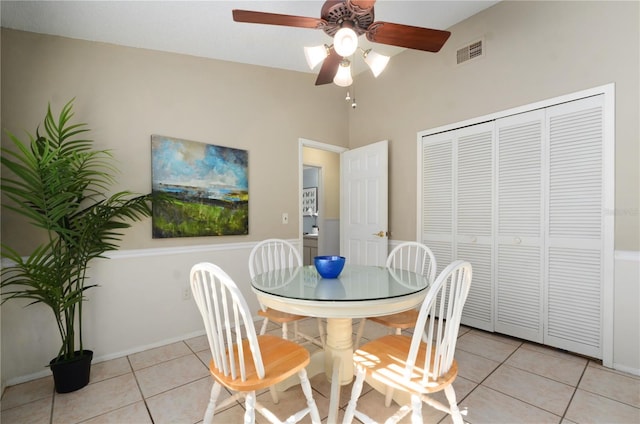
column 227, row 320
column 273, row 254
column 415, row 257
column 439, row 321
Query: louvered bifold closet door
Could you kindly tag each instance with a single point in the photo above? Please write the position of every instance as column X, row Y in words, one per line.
column 473, row 223
column 519, row 226
column 437, row 196
column 575, row 229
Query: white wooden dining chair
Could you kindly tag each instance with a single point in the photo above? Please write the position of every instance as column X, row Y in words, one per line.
column 409, row 256
column 271, row 255
column 242, row 361
column 424, row 363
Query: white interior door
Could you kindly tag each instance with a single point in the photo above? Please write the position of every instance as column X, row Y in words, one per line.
column 364, row 204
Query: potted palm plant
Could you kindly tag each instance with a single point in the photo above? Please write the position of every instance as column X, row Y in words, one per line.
column 60, row 185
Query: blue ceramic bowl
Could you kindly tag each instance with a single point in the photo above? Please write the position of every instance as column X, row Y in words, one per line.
column 329, row 266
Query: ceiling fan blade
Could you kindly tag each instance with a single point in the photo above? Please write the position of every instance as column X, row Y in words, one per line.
column 329, row 68
column 277, row 19
column 360, row 5
column 411, row 37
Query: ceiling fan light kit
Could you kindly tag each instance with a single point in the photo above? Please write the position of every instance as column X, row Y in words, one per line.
column 376, row 61
column 343, row 75
column 345, row 21
column 345, row 42
column 315, row 55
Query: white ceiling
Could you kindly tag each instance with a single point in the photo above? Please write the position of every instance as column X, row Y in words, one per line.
column 206, row 28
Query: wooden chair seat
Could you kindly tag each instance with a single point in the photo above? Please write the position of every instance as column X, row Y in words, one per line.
column 281, row 359
column 278, row 316
column 384, row 360
column 242, row 361
column 401, row 320
column 422, row 364
column 410, row 256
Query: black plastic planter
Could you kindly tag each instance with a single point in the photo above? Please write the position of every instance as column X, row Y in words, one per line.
column 72, row 375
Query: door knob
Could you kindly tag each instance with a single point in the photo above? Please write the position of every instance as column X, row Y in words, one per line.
column 380, row 234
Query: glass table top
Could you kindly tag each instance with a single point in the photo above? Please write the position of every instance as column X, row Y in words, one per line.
column 355, row 282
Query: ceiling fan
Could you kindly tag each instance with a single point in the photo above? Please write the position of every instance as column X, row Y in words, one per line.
column 346, row 20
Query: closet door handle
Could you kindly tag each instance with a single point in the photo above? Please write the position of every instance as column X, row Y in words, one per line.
column 517, row 240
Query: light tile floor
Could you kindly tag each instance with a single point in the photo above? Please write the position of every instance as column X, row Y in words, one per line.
column 501, row 380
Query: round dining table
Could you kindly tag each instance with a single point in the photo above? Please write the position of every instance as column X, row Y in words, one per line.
column 360, row 291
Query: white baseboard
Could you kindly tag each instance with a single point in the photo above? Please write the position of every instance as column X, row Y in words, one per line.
column 628, row 370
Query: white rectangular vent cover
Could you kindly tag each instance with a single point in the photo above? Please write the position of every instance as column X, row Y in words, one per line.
column 471, row 51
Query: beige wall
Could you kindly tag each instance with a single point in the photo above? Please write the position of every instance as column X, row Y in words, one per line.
column 127, row 94
column 534, row 51
column 330, row 164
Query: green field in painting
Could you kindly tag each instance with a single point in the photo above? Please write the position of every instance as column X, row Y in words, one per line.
column 195, row 219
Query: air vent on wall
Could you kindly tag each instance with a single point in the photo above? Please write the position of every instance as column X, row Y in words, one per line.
column 471, row 51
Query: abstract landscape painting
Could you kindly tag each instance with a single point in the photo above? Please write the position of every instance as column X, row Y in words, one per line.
column 208, row 185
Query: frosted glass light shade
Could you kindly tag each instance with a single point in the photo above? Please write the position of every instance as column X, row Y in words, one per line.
column 315, row 55
column 345, row 42
column 376, row 62
column 343, row 76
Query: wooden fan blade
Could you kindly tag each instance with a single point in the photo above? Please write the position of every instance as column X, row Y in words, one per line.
column 411, row 37
column 329, row 68
column 277, row 19
column 360, row 5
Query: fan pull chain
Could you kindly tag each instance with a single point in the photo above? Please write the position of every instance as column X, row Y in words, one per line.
column 352, row 99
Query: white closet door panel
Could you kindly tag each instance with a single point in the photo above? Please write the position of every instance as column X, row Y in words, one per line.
column 574, row 312
column 473, row 154
column 519, row 309
column 519, row 175
column 474, row 172
column 575, row 226
column 519, row 225
column 524, row 199
column 478, row 309
column 575, row 173
column 437, row 185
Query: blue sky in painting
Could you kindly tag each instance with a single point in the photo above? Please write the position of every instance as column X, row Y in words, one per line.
column 193, row 164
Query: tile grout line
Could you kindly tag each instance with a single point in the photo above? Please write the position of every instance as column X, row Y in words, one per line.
column 520, row 400
column 459, row 401
column 575, row 389
column 491, row 373
column 601, row 394
column 144, row 400
column 604, row 395
column 53, row 400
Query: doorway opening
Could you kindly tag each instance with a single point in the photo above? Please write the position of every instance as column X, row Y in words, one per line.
column 319, row 167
